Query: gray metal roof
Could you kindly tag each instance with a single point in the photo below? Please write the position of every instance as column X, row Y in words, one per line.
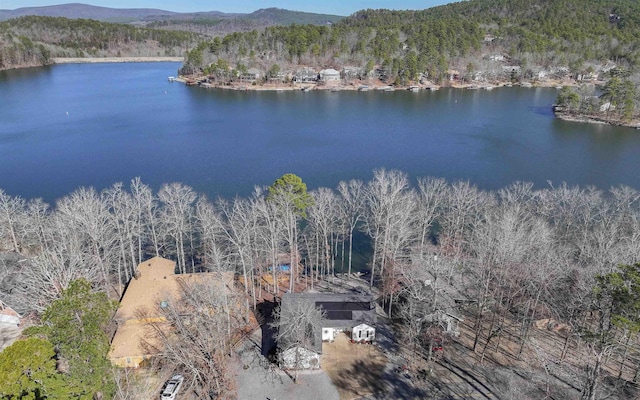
column 343, row 311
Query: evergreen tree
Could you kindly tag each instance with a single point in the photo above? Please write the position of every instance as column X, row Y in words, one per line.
column 76, row 325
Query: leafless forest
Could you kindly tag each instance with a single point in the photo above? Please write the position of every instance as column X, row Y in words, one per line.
column 510, row 257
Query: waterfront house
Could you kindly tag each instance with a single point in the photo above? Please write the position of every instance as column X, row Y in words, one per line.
column 351, row 73
column 351, row 314
column 329, row 75
column 152, row 288
column 305, row 75
column 251, row 75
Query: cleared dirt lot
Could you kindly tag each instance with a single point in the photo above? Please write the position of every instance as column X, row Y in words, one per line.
column 356, row 369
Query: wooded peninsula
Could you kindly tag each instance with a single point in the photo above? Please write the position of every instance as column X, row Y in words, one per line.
column 474, row 44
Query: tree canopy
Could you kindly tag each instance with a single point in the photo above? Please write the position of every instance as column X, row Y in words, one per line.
column 291, row 188
column 28, row 371
column 76, row 325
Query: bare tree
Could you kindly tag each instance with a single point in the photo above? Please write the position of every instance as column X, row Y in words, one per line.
column 12, row 210
column 38, row 226
column 124, row 219
column 213, row 250
column 146, row 207
column 46, row 276
column 270, row 232
column 352, row 201
column 298, row 323
column 323, row 221
column 84, row 230
column 431, row 192
column 384, row 193
column 202, row 325
column 237, row 224
column 177, row 220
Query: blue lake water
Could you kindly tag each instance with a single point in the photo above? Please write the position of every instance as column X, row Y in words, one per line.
column 67, row 126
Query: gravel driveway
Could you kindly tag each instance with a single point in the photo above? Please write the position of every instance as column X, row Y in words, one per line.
column 258, row 379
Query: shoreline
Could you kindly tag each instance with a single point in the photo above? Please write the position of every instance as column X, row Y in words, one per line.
column 201, row 81
column 593, row 119
column 96, row 60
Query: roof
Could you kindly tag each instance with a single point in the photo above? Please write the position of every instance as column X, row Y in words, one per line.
column 8, row 315
column 155, row 282
column 6, row 310
column 329, row 71
column 341, row 310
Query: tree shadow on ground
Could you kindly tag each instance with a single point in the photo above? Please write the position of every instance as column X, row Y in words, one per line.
column 369, row 378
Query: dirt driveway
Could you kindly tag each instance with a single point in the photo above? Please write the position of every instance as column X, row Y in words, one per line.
column 355, row 369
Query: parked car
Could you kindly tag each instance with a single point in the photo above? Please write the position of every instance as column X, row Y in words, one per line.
column 172, row 387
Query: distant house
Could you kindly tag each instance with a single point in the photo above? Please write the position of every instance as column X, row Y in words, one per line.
column 154, row 285
column 305, row 75
column 588, row 76
column 511, row 69
column 353, row 314
column 329, row 75
column 497, row 57
column 353, row 73
column 251, row 75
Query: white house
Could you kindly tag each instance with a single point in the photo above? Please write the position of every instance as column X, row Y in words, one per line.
column 329, row 75
column 353, row 314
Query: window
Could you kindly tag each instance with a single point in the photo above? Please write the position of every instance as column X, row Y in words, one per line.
column 368, row 332
column 359, row 334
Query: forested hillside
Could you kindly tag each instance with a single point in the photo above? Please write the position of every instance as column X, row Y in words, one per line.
column 578, row 35
column 33, row 41
column 222, row 24
column 518, row 262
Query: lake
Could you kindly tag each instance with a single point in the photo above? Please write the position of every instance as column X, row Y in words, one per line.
column 66, row 126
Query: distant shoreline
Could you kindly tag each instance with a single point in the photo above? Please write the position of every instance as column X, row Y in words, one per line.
column 356, row 85
column 562, row 114
column 95, row 60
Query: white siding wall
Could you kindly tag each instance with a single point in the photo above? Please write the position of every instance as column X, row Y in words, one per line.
column 364, row 333
column 328, row 334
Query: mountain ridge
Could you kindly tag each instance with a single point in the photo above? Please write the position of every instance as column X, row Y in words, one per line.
column 140, row 15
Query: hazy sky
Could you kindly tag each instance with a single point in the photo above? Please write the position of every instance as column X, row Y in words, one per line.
column 339, row 7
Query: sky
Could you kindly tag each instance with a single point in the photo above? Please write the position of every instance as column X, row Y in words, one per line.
column 337, row 7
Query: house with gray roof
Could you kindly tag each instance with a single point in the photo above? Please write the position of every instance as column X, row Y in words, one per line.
column 353, row 314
